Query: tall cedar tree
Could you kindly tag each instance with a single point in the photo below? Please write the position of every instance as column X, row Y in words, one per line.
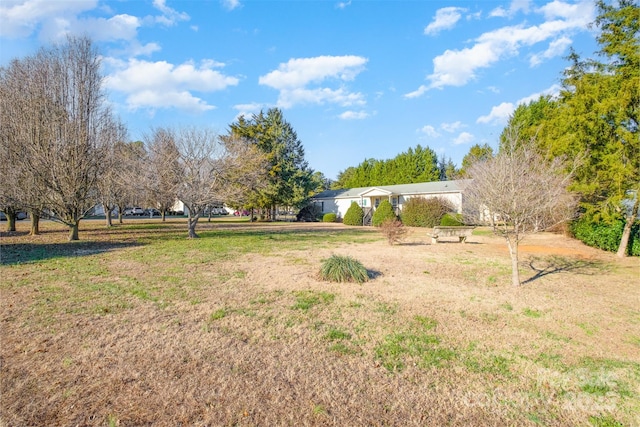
column 290, row 181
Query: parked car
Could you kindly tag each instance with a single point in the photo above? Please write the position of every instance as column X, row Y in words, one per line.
column 19, row 216
column 151, row 212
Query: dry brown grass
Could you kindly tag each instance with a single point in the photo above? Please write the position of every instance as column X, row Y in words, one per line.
column 126, row 332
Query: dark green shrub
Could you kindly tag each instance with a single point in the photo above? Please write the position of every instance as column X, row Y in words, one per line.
column 606, row 235
column 383, row 212
column 424, row 212
column 354, row 215
column 329, row 217
column 343, row 269
column 451, row 220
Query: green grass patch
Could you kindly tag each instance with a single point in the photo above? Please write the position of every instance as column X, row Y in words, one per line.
column 534, row 314
column 397, row 349
column 308, row 299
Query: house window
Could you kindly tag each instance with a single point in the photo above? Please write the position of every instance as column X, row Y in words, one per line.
column 394, row 202
column 377, row 202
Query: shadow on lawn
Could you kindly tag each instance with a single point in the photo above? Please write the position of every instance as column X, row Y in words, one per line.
column 555, row 264
column 20, row 253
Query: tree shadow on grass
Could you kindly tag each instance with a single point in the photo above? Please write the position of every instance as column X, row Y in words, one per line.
column 21, row 253
column 554, row 264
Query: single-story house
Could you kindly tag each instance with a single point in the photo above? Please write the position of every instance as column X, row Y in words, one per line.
column 338, row 201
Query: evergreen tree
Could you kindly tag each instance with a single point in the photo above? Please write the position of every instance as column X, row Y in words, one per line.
column 290, row 180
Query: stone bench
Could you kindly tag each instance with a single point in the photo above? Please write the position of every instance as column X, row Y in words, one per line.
column 461, row 232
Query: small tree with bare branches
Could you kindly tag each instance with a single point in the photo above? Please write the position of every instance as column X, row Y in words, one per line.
column 518, row 192
column 214, row 169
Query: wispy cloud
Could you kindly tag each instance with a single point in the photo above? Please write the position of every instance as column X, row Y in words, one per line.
column 459, row 67
column 343, row 4
column 451, row 127
column 463, row 138
column 429, row 131
column 515, row 7
column 307, row 80
column 354, row 115
column 556, row 48
column 230, row 4
column 169, row 17
column 501, row 113
column 445, row 19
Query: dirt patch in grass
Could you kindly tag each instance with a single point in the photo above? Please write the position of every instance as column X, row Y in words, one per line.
column 155, row 332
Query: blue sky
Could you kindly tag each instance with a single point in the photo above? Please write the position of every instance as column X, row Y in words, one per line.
column 356, row 79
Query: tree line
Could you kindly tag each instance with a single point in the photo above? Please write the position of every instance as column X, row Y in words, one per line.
column 63, row 151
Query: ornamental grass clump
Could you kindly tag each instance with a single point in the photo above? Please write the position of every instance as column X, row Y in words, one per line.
column 343, row 269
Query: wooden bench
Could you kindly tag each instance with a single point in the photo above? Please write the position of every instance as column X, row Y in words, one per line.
column 461, row 232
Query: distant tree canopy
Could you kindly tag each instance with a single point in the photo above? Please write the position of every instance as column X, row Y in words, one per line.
column 416, row 165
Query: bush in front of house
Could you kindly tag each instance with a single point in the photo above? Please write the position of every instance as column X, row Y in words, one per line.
column 339, row 268
column 354, row 215
column 424, row 212
column 329, row 217
column 451, row 220
column 393, row 230
column 383, row 212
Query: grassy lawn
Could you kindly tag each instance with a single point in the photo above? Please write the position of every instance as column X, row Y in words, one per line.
column 137, row 325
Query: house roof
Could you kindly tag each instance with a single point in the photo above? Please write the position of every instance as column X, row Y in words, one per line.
column 435, row 187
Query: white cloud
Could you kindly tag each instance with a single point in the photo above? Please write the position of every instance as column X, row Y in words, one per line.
column 23, row 17
column 458, row 67
column 118, row 27
column 463, row 138
column 500, row 114
column 556, row 48
column 230, row 4
column 164, row 85
column 445, row 19
column 248, row 110
column 343, row 4
column 354, row 115
column 293, row 79
column 169, row 16
column 516, row 6
column 182, row 100
column 451, row 127
column 429, row 130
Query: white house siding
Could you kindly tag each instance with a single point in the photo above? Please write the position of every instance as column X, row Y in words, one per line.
column 338, row 201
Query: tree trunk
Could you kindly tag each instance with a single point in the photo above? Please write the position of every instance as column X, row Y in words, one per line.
column 107, row 214
column 73, row 231
column 626, row 231
column 35, row 224
column 164, row 215
column 192, row 227
column 11, row 219
column 513, row 251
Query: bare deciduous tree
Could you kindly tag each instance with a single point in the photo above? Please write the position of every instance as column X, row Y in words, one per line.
column 112, row 186
column 214, row 170
column 163, row 171
column 60, row 120
column 518, row 192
